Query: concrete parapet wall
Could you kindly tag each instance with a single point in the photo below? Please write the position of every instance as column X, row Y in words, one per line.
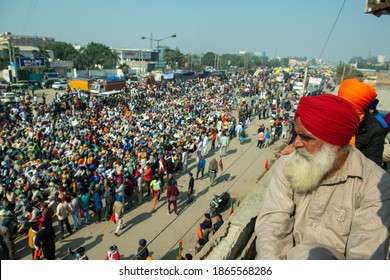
column 236, row 238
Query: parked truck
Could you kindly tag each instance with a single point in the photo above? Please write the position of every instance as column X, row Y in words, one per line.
column 81, row 83
column 109, row 86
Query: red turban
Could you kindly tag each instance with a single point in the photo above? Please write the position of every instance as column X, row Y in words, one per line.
column 359, row 94
column 329, row 118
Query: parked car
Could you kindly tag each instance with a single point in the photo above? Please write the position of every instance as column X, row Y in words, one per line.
column 49, row 83
column 7, row 97
column 60, row 85
column 298, row 88
column 4, row 85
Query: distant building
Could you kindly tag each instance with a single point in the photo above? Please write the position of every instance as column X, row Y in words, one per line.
column 25, row 45
column 24, row 40
column 25, row 51
column 381, row 59
column 137, row 54
column 143, row 60
column 261, row 54
column 292, row 62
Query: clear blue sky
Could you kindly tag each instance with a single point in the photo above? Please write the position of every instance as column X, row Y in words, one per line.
column 281, row 27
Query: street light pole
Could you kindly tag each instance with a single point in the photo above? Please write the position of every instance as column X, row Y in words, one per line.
column 12, row 59
column 158, row 44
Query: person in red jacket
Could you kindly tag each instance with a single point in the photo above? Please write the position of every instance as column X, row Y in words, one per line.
column 172, row 194
column 113, row 253
column 147, row 177
column 213, row 138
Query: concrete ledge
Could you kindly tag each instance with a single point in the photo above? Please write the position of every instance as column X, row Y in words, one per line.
column 236, row 238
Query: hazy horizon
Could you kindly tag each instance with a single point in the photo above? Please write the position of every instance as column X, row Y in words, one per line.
column 282, row 29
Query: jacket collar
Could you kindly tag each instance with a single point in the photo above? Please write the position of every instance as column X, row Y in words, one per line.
column 352, row 168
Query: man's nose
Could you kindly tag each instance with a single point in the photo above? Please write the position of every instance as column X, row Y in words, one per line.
column 298, row 143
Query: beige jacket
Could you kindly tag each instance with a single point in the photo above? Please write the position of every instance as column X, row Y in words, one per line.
column 63, row 210
column 118, row 209
column 386, row 149
column 349, row 211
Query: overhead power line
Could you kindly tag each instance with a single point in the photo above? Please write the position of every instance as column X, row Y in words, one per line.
column 30, row 12
column 331, row 31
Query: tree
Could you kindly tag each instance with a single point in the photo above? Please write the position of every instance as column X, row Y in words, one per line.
column 62, row 50
column 274, row 63
column 284, row 61
column 116, row 56
column 369, row 63
column 5, row 59
column 349, row 73
column 208, row 59
column 175, row 58
column 195, row 61
column 125, row 68
column 79, row 60
column 42, row 52
column 98, row 55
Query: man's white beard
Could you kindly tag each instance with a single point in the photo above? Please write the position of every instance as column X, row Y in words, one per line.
column 305, row 171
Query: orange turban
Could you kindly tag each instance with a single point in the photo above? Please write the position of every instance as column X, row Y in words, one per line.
column 359, row 94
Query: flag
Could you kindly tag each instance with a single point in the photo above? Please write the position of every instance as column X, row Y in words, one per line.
column 220, row 165
column 81, row 213
column 231, row 207
column 266, row 165
column 113, row 219
column 37, row 254
column 179, row 250
column 200, row 232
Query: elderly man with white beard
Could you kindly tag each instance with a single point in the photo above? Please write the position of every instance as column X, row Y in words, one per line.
column 326, row 200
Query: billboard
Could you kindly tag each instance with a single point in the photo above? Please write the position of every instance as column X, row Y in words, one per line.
column 61, row 64
column 32, row 62
column 136, row 55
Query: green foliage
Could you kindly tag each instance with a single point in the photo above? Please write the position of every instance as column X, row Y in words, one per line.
column 208, row 59
column 226, row 60
column 369, row 63
column 79, row 60
column 175, row 58
column 42, row 52
column 125, row 69
column 4, row 59
column 62, row 50
column 247, row 60
column 94, row 56
column 274, row 63
column 349, row 73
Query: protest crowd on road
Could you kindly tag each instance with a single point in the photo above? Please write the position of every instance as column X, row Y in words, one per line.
column 81, row 154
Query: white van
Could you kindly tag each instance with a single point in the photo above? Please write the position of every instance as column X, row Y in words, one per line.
column 60, row 85
column 298, row 88
column 7, row 97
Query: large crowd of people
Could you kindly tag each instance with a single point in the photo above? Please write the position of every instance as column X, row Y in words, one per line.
column 83, row 152
column 80, row 154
